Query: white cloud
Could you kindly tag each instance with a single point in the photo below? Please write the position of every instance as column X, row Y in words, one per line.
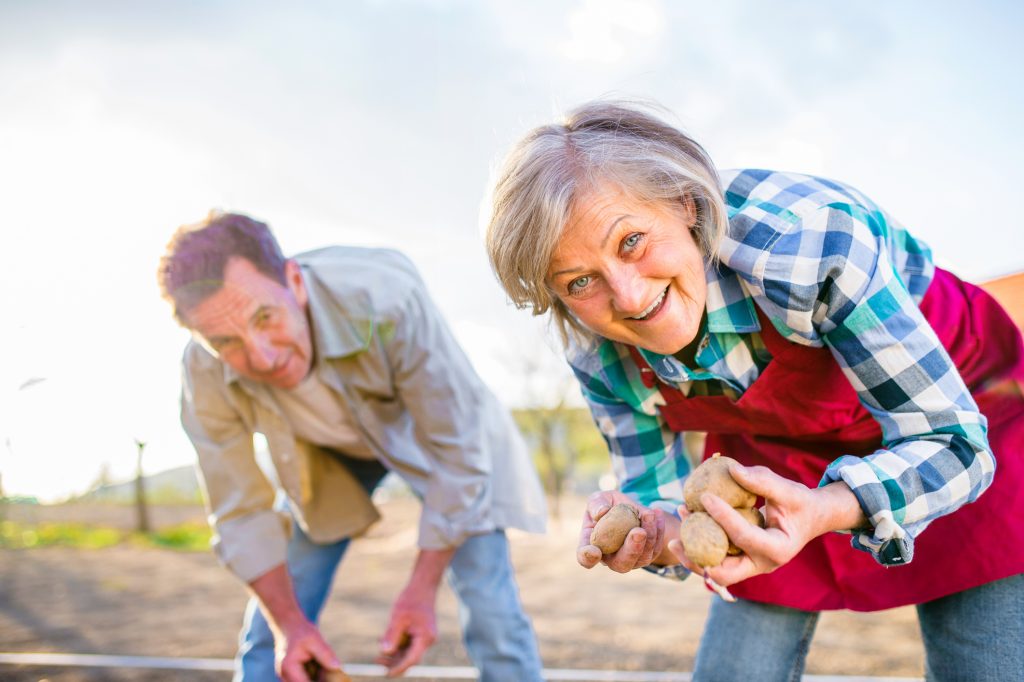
column 613, row 31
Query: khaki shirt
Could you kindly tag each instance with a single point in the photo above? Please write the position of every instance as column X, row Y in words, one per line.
column 382, row 345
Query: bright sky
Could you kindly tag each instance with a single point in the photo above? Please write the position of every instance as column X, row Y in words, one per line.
column 379, row 123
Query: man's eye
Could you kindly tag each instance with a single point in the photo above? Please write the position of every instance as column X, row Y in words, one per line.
column 579, row 284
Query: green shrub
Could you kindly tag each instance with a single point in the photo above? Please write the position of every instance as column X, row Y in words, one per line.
column 187, row 537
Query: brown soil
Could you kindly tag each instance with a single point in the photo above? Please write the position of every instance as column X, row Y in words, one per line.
column 149, row 602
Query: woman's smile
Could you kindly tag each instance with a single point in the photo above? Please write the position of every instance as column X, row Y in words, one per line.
column 654, row 309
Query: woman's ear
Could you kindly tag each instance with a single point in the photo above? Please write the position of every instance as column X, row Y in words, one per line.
column 689, row 211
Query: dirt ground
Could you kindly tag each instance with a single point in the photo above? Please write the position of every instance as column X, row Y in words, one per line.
column 149, row 602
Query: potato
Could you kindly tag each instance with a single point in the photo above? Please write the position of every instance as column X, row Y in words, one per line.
column 704, row 541
column 712, row 476
column 611, row 529
column 752, row 515
column 318, row 673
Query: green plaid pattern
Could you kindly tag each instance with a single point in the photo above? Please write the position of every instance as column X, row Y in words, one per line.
column 830, row 268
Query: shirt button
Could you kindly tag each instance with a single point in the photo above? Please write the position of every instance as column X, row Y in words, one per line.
column 890, row 553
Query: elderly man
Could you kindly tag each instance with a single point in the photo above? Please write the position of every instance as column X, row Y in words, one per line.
column 341, row 360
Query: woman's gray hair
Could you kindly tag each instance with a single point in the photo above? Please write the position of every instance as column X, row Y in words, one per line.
column 556, row 165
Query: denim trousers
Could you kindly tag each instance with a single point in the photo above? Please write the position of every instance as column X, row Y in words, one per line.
column 972, row 636
column 495, row 630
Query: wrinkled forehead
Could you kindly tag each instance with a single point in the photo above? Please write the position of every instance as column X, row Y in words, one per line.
column 243, row 291
column 593, row 215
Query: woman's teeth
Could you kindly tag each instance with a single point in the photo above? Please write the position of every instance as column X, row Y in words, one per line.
column 651, row 308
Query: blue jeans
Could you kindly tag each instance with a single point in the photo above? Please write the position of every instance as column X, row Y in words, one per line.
column 498, row 636
column 972, row 636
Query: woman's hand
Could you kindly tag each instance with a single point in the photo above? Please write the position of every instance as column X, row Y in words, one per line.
column 643, row 544
column 794, row 515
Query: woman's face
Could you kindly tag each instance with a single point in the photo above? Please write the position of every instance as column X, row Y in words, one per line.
column 630, row 271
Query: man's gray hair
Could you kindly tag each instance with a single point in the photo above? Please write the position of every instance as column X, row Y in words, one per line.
column 556, row 165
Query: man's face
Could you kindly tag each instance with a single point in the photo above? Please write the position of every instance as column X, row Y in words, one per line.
column 257, row 326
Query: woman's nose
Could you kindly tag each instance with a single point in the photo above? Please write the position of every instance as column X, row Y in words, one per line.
column 627, row 291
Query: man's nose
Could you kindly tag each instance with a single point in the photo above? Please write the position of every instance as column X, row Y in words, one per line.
column 261, row 353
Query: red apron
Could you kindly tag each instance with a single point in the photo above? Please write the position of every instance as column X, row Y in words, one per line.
column 802, row 413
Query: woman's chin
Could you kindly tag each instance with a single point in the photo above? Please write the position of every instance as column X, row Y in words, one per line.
column 666, row 343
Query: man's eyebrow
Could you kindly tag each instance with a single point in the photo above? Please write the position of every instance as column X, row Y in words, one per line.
column 607, row 234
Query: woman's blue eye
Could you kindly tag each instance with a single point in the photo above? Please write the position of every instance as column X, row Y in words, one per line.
column 579, row 283
column 632, row 240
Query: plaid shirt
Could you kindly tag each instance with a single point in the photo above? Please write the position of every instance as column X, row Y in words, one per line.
column 828, row 267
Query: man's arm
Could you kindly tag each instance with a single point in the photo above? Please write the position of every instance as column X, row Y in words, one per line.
column 249, row 538
column 443, row 395
column 296, row 639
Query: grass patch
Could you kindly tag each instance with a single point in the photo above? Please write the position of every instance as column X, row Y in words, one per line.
column 15, row 535
column 187, row 537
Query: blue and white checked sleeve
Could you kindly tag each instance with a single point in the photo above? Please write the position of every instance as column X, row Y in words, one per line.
column 831, row 281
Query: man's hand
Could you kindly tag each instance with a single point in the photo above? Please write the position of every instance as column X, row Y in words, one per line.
column 794, row 515
column 296, row 647
column 412, row 628
column 644, row 545
column 410, row 632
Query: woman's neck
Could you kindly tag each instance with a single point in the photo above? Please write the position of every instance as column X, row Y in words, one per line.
column 688, row 354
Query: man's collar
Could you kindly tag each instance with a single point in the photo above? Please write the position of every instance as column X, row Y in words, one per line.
column 339, row 327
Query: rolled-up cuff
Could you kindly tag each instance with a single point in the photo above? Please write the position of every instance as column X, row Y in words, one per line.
column 887, row 541
column 439, row 532
column 251, row 545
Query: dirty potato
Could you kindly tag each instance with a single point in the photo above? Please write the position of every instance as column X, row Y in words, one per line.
column 712, row 476
column 704, row 541
column 611, row 529
column 754, row 517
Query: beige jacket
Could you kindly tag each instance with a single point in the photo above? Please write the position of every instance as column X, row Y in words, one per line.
column 383, row 346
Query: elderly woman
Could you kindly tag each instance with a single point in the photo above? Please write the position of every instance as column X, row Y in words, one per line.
column 862, row 389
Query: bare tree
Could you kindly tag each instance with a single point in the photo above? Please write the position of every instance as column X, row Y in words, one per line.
column 545, row 418
column 142, row 514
